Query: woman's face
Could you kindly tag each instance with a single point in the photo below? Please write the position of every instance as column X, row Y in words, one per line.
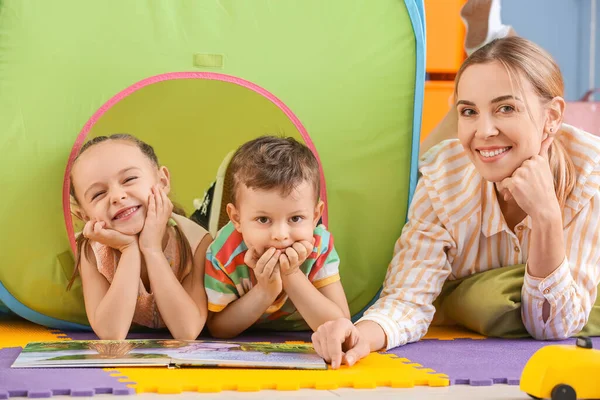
column 494, row 125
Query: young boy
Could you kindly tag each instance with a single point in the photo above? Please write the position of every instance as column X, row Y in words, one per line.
column 272, row 266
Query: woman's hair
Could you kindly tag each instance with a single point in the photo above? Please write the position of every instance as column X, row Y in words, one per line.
column 82, row 244
column 524, row 59
column 270, row 162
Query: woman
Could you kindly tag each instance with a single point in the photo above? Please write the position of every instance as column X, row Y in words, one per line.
column 504, row 221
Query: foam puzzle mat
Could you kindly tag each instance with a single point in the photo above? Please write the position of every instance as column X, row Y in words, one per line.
column 47, row 382
column 450, row 333
column 40, row 383
column 377, row 370
column 477, row 362
column 447, row 355
column 18, row 332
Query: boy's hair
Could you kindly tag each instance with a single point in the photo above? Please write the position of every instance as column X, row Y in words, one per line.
column 271, row 162
column 183, row 245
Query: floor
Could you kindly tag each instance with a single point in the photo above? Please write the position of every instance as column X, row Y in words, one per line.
column 496, row 392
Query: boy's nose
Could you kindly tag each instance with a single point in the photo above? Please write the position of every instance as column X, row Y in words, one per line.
column 279, row 234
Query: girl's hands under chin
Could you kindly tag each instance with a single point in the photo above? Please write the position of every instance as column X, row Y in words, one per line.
column 96, row 231
column 160, row 209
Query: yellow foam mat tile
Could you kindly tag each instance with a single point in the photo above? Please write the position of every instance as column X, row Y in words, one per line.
column 451, row 333
column 19, row 332
column 376, row 370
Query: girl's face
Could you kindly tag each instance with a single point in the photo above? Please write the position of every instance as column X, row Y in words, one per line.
column 494, row 126
column 113, row 181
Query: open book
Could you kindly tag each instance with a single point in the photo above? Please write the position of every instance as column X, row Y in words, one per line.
column 167, row 352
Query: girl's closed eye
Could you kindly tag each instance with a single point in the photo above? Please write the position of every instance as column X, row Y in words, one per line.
column 97, row 195
column 129, row 179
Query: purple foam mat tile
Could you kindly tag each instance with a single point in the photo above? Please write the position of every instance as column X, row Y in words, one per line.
column 477, row 362
column 39, row 394
column 46, row 382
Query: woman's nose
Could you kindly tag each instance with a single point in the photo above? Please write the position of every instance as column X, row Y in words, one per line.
column 486, row 128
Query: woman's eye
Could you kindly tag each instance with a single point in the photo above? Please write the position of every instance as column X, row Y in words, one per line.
column 296, row 218
column 262, row 220
column 467, row 112
column 506, row 109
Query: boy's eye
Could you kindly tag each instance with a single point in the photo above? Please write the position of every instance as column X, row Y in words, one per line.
column 262, row 220
column 297, row 218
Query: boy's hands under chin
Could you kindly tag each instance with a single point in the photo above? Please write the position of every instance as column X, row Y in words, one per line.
column 266, row 269
column 95, row 230
column 160, row 209
column 294, row 256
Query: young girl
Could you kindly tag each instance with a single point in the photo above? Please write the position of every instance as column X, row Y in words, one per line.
column 138, row 262
column 517, row 187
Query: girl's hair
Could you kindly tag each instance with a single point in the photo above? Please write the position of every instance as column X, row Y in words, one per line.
column 82, row 244
column 524, row 59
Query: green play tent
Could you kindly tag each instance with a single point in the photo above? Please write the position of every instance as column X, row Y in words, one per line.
column 196, row 79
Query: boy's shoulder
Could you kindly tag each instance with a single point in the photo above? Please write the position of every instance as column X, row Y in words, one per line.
column 227, row 242
column 320, row 230
column 323, row 239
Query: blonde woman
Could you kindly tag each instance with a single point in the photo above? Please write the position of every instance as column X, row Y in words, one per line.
column 504, row 224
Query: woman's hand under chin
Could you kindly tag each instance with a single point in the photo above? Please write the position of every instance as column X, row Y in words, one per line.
column 532, row 185
column 160, row 209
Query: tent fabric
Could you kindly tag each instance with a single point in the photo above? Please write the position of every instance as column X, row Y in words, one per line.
column 202, row 77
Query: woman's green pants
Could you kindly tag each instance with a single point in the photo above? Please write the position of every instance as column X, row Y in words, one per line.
column 490, row 303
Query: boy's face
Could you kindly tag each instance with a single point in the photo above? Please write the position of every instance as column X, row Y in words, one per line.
column 267, row 219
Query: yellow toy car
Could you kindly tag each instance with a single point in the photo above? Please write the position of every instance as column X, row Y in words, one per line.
column 563, row 372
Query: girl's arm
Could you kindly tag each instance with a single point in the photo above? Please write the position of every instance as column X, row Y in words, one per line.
column 316, row 306
column 110, row 307
column 193, row 284
column 181, row 311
